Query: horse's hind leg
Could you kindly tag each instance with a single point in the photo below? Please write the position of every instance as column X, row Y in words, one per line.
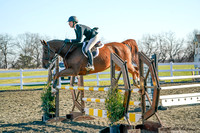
column 135, row 73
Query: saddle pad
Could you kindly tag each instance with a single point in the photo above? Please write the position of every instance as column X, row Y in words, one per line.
column 94, row 50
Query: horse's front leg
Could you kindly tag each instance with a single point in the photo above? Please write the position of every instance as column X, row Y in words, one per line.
column 63, row 73
column 55, row 79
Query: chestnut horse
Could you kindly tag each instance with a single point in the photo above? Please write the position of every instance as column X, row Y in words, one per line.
column 75, row 62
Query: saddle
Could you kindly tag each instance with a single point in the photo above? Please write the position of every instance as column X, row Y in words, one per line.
column 94, row 50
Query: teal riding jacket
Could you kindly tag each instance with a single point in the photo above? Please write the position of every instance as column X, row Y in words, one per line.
column 83, row 30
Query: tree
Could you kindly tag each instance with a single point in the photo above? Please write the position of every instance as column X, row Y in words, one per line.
column 189, row 50
column 154, row 44
column 162, row 48
column 37, row 49
column 165, row 45
column 147, row 44
column 30, row 46
column 174, row 46
column 24, row 62
column 6, row 46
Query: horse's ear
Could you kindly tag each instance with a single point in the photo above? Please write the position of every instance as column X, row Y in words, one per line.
column 41, row 42
column 44, row 42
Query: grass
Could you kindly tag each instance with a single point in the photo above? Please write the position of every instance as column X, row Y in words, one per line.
column 27, row 80
column 182, row 73
column 93, row 83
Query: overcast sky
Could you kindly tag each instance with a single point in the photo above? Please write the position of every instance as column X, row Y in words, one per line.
column 117, row 19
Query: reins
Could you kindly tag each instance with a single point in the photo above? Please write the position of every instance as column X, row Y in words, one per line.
column 68, row 50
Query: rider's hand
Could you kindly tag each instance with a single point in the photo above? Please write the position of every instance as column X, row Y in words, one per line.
column 67, row 40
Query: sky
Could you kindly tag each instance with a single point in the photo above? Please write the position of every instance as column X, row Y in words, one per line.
column 117, row 19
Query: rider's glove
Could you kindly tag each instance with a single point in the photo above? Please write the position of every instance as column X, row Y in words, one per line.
column 67, row 40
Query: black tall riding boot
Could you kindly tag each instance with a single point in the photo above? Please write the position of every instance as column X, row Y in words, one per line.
column 90, row 65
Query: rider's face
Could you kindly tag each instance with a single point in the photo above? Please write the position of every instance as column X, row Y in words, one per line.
column 71, row 24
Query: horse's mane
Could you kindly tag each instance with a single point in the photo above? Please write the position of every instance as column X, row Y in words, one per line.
column 56, row 40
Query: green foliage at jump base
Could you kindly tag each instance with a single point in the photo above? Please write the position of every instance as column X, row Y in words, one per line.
column 114, row 105
column 48, row 102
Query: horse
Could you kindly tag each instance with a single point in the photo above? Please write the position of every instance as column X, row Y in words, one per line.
column 75, row 61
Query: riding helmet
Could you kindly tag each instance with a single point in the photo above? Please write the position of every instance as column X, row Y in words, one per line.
column 73, row 18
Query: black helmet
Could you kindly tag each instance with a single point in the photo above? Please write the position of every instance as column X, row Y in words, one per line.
column 73, row 18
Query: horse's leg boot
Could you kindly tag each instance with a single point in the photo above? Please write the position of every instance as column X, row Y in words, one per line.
column 55, row 83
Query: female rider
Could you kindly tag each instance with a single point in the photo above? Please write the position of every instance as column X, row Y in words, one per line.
column 91, row 36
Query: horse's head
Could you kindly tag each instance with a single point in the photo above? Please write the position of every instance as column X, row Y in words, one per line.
column 48, row 54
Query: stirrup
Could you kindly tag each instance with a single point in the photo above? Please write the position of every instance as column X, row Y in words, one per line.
column 89, row 67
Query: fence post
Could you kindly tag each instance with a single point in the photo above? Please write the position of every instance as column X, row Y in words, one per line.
column 21, row 79
column 97, row 79
column 57, row 90
column 59, row 81
column 150, row 90
column 171, row 70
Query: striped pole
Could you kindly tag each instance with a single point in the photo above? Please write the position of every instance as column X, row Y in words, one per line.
column 103, row 101
column 93, row 88
column 103, row 113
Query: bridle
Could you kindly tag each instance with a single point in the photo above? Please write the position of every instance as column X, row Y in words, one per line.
column 49, row 50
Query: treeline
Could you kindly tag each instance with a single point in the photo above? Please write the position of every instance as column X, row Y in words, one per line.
column 168, row 47
column 25, row 50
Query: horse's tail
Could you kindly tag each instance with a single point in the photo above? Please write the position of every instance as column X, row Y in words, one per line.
column 134, row 50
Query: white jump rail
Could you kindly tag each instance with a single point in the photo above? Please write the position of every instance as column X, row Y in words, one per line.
column 180, row 86
column 179, row 77
column 180, row 99
column 92, row 88
column 103, row 101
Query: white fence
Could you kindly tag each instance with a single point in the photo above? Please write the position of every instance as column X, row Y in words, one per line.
column 21, row 77
column 171, row 70
column 97, row 80
column 166, row 100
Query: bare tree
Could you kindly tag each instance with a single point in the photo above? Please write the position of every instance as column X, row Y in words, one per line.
column 189, row 50
column 5, row 49
column 165, row 45
column 147, row 45
column 162, row 48
column 174, row 45
column 30, row 47
column 37, row 49
column 154, row 44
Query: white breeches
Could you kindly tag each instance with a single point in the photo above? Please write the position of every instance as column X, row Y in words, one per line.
column 92, row 42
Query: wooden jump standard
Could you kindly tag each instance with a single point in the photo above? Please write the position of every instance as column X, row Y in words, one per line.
column 146, row 113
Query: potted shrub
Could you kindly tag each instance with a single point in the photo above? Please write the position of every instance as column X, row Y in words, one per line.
column 115, row 109
column 48, row 103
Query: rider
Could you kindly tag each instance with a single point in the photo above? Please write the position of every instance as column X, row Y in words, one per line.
column 91, row 36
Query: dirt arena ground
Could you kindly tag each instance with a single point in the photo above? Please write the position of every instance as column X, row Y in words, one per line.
column 20, row 111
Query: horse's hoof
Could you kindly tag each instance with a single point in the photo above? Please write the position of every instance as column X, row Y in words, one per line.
column 53, row 91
